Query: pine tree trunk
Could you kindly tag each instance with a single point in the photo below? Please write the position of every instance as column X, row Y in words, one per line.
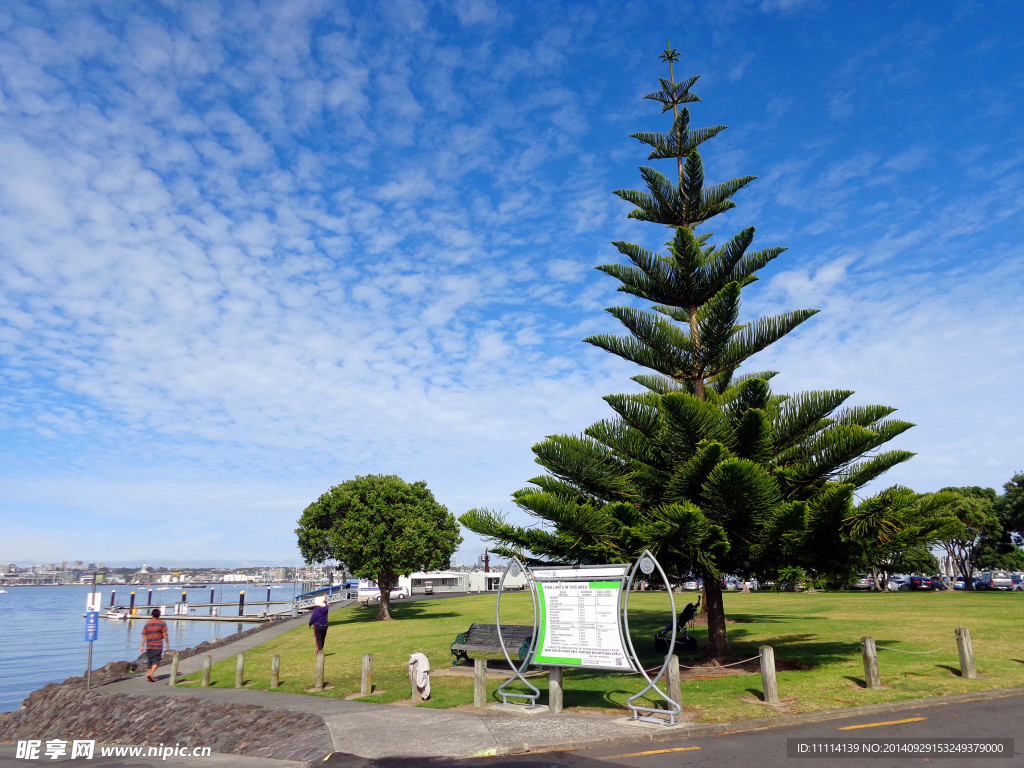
column 718, row 643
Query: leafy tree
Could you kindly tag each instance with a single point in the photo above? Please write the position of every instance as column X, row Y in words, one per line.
column 974, row 509
column 1003, row 551
column 1011, row 508
column 896, row 528
column 710, row 470
column 381, row 527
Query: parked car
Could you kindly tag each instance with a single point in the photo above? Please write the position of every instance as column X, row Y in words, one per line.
column 1018, row 582
column 898, row 582
column 863, row 581
column 398, row 593
column 691, row 585
column 958, row 583
column 921, row 582
column 999, row 580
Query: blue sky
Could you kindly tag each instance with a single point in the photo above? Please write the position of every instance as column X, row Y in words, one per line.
column 251, row 250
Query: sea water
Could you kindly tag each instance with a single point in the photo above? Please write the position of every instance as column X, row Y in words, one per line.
column 42, row 630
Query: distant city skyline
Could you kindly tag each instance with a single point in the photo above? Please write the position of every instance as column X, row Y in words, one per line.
column 251, row 251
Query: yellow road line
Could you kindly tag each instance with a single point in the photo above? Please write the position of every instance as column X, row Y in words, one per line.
column 650, row 752
column 887, row 722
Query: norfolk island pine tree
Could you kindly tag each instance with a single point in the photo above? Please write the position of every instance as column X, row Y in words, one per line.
column 708, row 468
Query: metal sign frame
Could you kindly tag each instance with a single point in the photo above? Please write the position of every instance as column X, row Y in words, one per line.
column 646, row 564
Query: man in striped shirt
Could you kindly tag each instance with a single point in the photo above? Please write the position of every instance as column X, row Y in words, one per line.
column 154, row 635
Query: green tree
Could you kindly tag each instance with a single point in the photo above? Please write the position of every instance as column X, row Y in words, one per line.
column 381, row 527
column 1011, row 508
column 896, row 529
column 709, row 469
column 974, row 510
column 1003, row 552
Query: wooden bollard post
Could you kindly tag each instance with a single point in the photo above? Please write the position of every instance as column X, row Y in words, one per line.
column 241, row 603
column 131, row 603
column 207, row 665
column 867, row 650
column 963, row 647
column 275, row 671
column 675, row 688
column 113, row 596
column 174, row 670
column 415, row 695
column 555, row 691
column 319, row 682
column 239, row 670
column 479, row 683
column 366, row 681
column 768, row 681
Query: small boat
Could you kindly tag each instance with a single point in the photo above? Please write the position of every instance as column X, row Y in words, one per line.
column 115, row 613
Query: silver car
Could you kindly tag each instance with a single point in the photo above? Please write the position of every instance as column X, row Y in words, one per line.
column 995, row 580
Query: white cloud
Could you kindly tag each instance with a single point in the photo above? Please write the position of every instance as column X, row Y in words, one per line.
column 251, row 251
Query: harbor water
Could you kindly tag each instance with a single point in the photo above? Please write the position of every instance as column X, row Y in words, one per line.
column 42, row 629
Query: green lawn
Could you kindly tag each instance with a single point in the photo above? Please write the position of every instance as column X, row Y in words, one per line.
column 817, row 635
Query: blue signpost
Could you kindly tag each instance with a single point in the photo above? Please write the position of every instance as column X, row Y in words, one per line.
column 92, row 622
column 92, row 625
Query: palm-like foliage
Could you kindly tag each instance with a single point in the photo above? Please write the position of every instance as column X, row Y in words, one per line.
column 708, row 469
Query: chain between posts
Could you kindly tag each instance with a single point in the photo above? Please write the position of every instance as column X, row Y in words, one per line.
column 915, row 653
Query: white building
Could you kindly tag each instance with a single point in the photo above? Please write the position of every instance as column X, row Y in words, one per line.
column 460, row 581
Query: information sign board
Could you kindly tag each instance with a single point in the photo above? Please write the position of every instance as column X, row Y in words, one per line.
column 92, row 625
column 580, row 618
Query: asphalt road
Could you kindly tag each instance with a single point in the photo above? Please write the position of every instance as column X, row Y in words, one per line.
column 895, row 740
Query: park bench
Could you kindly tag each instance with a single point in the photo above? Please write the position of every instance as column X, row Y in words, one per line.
column 483, row 638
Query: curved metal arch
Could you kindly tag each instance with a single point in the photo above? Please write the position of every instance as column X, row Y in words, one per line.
column 648, row 563
column 515, row 567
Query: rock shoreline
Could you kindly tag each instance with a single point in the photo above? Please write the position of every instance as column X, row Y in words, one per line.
column 67, row 711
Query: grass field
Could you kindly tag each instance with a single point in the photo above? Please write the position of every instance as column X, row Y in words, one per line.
column 816, row 637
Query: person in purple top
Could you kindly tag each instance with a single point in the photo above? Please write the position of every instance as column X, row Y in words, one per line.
column 318, row 621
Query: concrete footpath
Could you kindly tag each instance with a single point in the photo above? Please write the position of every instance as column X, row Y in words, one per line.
column 373, row 731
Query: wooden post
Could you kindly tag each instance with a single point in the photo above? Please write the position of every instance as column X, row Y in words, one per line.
column 319, row 682
column 867, row 650
column 555, row 691
column 415, row 695
column 241, row 602
column 207, row 664
column 149, row 599
column 479, row 683
column 174, row 670
column 963, row 647
column 131, row 604
column 275, row 671
column 113, row 594
column 366, row 681
column 239, row 670
column 768, row 682
column 675, row 688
